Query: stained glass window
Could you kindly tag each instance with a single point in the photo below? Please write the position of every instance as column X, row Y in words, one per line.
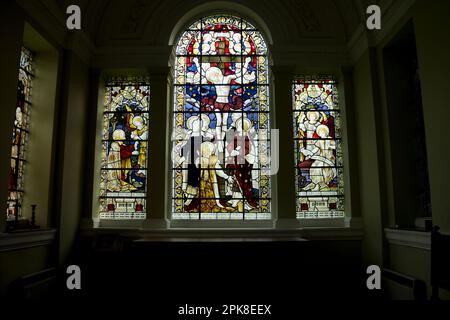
column 221, row 129
column 318, row 148
column 20, row 136
column 123, row 186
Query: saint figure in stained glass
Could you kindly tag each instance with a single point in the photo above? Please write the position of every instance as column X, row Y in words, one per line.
column 318, row 149
column 221, row 127
column 123, row 188
column 20, row 136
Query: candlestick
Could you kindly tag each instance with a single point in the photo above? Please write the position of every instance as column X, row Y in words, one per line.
column 16, row 218
column 33, row 215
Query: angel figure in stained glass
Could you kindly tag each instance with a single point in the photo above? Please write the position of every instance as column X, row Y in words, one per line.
column 17, row 133
column 322, row 170
column 308, row 122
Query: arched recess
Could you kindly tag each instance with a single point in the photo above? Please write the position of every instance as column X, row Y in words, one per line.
column 220, row 7
column 220, row 168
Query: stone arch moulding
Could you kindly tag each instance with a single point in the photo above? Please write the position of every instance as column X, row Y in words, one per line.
column 219, row 7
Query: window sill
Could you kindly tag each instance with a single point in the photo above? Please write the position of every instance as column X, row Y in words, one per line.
column 26, row 239
column 283, row 230
column 409, row 238
column 158, row 223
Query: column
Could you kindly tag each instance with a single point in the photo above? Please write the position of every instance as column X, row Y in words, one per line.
column 285, row 179
column 91, row 190
column 349, row 132
column 158, row 199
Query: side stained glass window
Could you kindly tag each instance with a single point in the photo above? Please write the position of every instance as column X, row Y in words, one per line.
column 318, row 149
column 20, row 136
column 123, row 186
column 221, row 127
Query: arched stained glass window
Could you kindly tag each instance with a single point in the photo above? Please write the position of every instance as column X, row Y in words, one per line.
column 20, row 136
column 221, row 129
column 123, row 187
column 318, row 149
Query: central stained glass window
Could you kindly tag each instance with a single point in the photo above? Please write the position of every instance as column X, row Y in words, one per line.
column 221, row 129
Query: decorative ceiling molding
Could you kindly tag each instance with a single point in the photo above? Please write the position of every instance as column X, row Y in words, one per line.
column 308, row 17
column 135, row 37
column 220, row 6
column 135, row 18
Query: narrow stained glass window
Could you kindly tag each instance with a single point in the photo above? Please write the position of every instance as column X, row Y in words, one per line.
column 123, row 187
column 221, row 129
column 318, row 149
column 20, row 136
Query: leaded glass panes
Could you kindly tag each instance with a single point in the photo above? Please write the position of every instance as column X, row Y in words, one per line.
column 123, row 187
column 20, row 136
column 318, row 148
column 221, row 122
